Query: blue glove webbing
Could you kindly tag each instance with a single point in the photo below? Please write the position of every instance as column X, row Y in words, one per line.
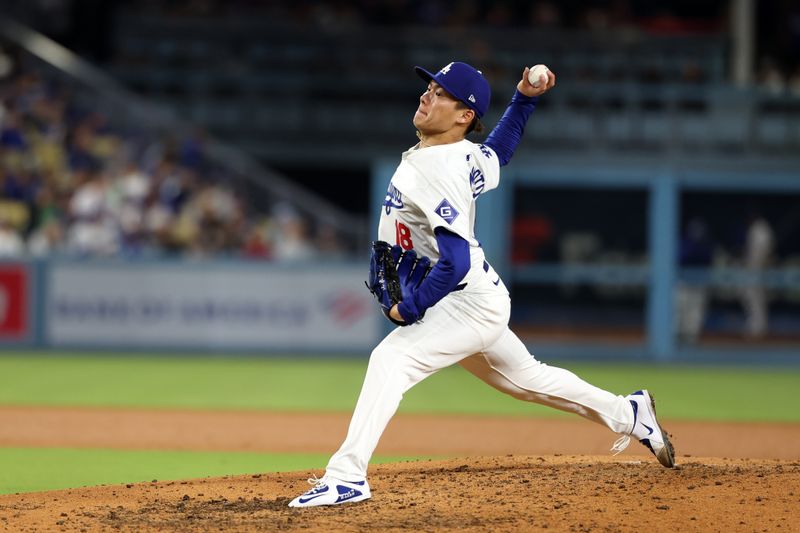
column 505, row 137
column 453, row 265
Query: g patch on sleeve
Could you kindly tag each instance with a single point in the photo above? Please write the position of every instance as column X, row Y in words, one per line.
column 446, row 211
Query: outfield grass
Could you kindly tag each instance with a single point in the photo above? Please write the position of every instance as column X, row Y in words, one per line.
column 37, row 469
column 301, row 384
column 325, row 384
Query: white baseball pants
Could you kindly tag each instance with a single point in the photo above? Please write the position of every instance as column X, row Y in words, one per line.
column 470, row 329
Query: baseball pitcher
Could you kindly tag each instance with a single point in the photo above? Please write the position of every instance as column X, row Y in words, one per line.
column 430, row 276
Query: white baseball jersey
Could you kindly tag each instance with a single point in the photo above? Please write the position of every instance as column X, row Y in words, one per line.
column 436, row 187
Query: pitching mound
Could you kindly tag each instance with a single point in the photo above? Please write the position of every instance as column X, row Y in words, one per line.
column 509, row 493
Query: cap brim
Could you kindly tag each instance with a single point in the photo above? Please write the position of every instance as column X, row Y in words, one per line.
column 424, row 74
column 428, row 77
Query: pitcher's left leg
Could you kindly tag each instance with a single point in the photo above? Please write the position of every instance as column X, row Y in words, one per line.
column 509, row 367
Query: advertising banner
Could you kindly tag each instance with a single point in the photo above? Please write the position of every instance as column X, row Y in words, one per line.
column 217, row 305
column 13, row 302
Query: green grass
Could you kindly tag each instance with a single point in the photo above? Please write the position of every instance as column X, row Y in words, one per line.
column 38, row 469
column 325, row 384
column 283, row 384
column 176, row 381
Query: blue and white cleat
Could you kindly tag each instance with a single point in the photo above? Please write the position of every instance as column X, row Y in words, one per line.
column 332, row 491
column 647, row 429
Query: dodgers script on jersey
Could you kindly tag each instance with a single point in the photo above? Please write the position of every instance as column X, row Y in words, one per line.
column 436, row 187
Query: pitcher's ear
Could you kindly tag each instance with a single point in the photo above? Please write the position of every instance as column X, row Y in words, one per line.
column 467, row 116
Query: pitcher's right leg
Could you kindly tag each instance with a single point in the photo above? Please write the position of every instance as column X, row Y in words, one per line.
column 404, row 358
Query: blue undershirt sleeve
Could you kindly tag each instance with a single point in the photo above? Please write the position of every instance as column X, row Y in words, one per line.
column 507, row 134
column 453, row 265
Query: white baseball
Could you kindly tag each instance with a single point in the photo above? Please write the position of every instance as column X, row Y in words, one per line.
column 535, row 75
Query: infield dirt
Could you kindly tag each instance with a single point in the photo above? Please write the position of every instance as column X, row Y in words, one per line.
column 487, row 489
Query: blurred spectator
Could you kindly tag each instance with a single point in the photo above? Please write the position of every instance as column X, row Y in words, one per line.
column 47, row 205
column 157, row 222
column 47, row 239
column 759, row 242
column 328, row 244
column 291, row 239
column 11, row 137
column 770, row 76
column 256, row 243
column 11, row 244
column 93, row 231
column 214, row 218
column 695, row 251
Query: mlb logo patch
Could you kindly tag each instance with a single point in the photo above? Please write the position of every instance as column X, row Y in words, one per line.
column 446, row 211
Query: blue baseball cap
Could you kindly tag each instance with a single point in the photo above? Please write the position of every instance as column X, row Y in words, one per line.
column 464, row 82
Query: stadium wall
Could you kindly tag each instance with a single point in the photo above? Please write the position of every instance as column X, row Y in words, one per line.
column 209, row 306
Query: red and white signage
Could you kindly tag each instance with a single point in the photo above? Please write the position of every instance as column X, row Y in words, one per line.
column 13, row 302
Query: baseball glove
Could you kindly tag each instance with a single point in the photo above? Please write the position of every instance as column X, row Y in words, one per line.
column 384, row 283
column 393, row 275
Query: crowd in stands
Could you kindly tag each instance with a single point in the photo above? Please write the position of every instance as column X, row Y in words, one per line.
column 71, row 183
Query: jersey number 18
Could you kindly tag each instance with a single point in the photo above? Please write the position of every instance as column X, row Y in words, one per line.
column 403, row 235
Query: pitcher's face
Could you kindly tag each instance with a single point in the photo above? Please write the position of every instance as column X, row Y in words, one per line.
column 438, row 111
